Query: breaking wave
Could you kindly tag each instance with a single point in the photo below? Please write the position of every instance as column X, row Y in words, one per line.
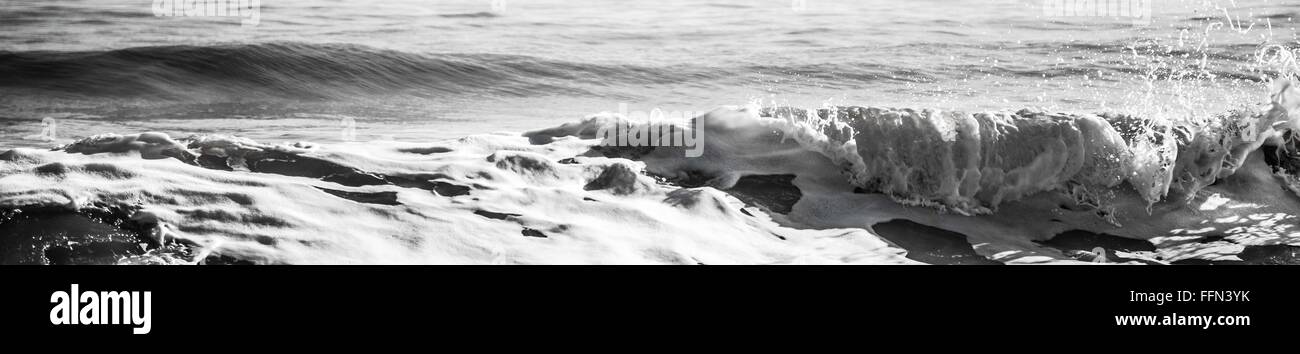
column 775, row 185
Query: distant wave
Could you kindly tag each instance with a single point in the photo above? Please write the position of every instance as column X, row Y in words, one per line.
column 299, row 70
column 279, row 69
column 296, row 70
column 342, row 71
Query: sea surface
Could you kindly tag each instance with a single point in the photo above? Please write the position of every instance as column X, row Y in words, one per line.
column 408, row 70
column 346, row 132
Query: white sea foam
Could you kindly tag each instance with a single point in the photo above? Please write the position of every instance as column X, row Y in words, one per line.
column 1004, row 180
column 597, row 210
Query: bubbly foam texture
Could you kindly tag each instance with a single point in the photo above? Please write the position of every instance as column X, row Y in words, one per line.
column 518, row 205
column 971, row 163
column 558, row 196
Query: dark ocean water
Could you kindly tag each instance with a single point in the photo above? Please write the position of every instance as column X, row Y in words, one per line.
column 423, row 70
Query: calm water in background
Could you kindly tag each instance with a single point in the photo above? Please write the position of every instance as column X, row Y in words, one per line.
column 427, row 70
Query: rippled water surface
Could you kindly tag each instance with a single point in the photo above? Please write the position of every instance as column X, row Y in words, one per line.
column 422, row 70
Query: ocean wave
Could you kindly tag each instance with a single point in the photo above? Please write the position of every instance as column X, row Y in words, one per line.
column 343, row 72
column 783, row 185
column 337, row 72
column 299, row 70
column 1205, row 192
column 971, row 163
